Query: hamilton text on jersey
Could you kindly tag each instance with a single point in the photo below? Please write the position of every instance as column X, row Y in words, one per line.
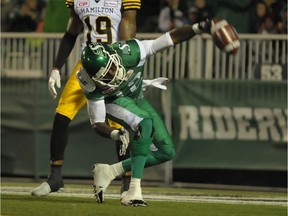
column 97, row 9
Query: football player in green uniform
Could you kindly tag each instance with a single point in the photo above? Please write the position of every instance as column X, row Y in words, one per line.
column 112, row 77
column 105, row 21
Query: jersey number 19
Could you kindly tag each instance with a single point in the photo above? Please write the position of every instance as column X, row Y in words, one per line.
column 102, row 27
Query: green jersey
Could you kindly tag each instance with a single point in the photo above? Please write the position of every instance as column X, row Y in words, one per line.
column 133, row 61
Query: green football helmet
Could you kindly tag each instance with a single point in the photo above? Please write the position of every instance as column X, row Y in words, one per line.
column 97, row 59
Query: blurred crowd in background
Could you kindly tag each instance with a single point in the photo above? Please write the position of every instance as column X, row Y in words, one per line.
column 247, row 16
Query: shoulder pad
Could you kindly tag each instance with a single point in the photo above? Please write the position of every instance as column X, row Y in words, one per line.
column 69, row 4
column 131, row 4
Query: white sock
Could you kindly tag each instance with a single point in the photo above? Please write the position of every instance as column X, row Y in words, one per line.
column 135, row 188
column 135, row 183
column 117, row 169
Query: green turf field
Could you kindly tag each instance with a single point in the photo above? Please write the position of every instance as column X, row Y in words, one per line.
column 78, row 200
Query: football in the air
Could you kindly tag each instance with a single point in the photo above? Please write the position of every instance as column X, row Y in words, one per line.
column 225, row 36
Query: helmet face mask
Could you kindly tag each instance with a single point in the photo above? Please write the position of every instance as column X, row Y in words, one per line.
column 103, row 65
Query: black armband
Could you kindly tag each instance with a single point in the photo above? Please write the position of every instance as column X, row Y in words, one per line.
column 66, row 46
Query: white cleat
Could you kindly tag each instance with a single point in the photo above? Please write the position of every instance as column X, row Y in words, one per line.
column 102, row 179
column 43, row 190
column 123, row 194
column 133, row 198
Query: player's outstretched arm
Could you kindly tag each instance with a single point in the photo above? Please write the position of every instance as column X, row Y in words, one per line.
column 187, row 32
column 174, row 37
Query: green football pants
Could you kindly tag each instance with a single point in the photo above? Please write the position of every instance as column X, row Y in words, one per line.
column 135, row 113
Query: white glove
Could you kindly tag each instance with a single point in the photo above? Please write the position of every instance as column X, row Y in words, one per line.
column 54, row 79
column 123, row 136
column 155, row 83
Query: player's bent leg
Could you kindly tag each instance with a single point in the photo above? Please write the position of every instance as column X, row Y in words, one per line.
column 155, row 157
column 162, row 140
column 160, row 156
column 139, row 151
column 164, row 151
column 140, row 121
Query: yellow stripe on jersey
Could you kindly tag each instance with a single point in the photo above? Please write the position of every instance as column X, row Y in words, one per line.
column 69, row 3
column 131, row 4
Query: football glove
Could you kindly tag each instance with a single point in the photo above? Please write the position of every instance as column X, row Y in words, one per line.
column 55, row 78
column 157, row 83
column 123, row 136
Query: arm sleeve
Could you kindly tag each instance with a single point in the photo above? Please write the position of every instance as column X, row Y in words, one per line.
column 150, row 47
column 66, row 46
column 96, row 111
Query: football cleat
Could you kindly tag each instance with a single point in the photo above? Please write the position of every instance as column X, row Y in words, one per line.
column 44, row 189
column 53, row 184
column 133, row 198
column 98, row 195
column 102, row 179
column 136, row 203
column 123, row 194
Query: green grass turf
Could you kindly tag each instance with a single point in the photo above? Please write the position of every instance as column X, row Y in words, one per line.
column 25, row 205
column 22, row 205
column 166, row 190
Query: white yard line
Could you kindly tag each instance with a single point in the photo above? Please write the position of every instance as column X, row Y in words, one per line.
column 87, row 193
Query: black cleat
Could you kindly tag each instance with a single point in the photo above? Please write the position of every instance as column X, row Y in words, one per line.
column 98, row 195
column 136, row 203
